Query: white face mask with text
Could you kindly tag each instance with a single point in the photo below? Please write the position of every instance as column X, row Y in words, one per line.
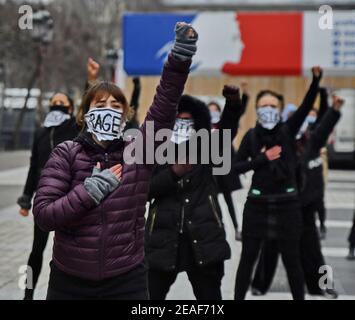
column 268, row 117
column 105, row 123
column 183, row 130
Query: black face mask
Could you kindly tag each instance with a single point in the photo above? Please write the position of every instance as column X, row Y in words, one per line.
column 61, row 108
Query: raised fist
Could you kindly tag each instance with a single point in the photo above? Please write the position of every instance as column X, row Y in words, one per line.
column 92, row 69
column 184, row 31
column 317, row 71
column 185, row 41
column 231, row 92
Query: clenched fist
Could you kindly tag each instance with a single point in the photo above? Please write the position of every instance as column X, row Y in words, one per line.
column 185, row 41
column 92, row 69
column 317, row 72
column 231, row 92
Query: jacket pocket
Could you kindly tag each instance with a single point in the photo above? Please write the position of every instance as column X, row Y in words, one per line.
column 214, row 210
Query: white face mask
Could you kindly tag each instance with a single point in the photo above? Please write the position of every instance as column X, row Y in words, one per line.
column 215, row 116
column 55, row 118
column 309, row 120
column 268, row 117
column 105, row 123
column 183, row 130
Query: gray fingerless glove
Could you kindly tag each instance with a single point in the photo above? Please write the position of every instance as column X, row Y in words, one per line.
column 100, row 184
column 184, row 46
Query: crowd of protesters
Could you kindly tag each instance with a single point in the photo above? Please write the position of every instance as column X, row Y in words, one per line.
column 95, row 202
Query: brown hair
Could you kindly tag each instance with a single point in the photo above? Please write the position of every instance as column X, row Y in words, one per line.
column 71, row 101
column 96, row 92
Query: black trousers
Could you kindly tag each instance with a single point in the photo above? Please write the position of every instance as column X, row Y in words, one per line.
column 311, row 255
column 290, row 253
column 131, row 285
column 230, row 205
column 35, row 260
column 267, row 265
column 311, row 251
column 351, row 238
column 321, row 210
column 205, row 281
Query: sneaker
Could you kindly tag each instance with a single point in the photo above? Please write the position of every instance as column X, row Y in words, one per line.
column 322, row 232
column 330, row 294
column 256, row 292
column 351, row 254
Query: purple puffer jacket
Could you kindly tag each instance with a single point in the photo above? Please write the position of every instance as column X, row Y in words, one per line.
column 98, row 242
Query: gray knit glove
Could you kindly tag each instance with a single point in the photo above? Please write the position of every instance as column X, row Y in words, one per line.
column 100, row 184
column 185, row 45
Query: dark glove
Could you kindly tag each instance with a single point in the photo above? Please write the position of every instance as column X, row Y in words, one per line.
column 24, row 202
column 231, row 93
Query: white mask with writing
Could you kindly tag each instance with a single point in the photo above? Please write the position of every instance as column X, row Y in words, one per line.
column 183, row 130
column 268, row 117
column 105, row 123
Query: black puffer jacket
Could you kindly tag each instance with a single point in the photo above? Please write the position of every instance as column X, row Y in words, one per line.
column 187, row 208
column 45, row 140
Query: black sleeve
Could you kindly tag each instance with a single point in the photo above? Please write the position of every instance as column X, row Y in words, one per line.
column 245, row 100
column 229, row 121
column 230, row 116
column 324, row 129
column 162, row 183
column 323, row 104
column 295, row 122
column 243, row 163
column 136, row 94
column 32, row 176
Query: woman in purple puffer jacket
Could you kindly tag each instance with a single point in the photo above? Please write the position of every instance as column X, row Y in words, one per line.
column 94, row 201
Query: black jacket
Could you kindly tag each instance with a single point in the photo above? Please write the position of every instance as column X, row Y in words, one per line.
column 185, row 220
column 275, row 180
column 45, row 139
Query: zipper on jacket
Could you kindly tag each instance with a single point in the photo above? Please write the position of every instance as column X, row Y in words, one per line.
column 182, row 217
column 106, row 160
column 215, row 211
column 103, row 220
column 153, row 221
column 51, row 138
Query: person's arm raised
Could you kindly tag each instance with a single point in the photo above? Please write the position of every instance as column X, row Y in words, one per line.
column 92, row 69
column 295, row 122
column 175, row 72
column 325, row 127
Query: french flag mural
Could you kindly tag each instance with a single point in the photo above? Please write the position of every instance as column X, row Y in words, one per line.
column 245, row 43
